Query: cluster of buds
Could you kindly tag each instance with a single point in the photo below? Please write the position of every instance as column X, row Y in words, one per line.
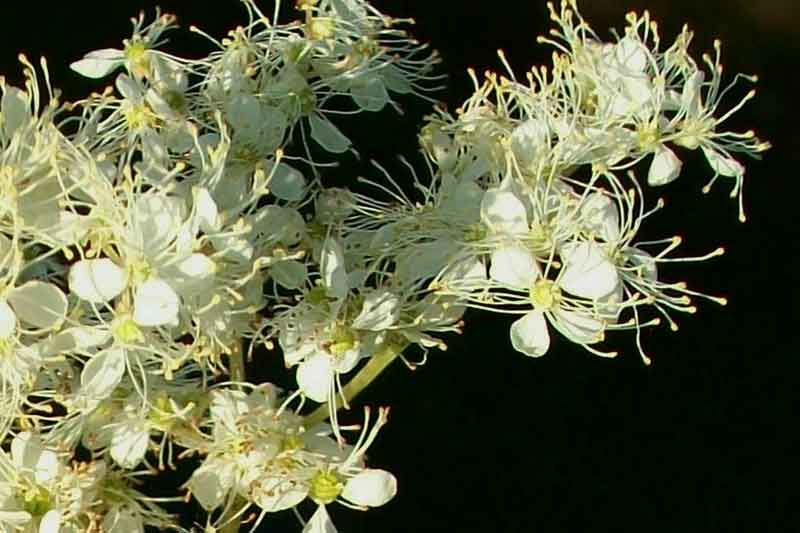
column 154, row 234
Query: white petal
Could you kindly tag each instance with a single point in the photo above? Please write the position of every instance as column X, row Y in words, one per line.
column 609, row 305
column 578, row 327
column 529, row 334
column 504, row 212
column 284, row 224
column 15, row 518
column 30, row 456
column 78, row 338
column 333, row 270
column 315, row 377
column 722, row 164
column 51, row 522
column 587, row 270
column 529, row 139
column 664, row 168
column 631, row 54
column 371, row 488
column 468, row 273
column 601, row 216
column 327, row 135
column 211, row 483
column 647, row 264
column 39, row 304
column 320, row 522
column 425, row 260
column 463, row 201
column 287, row 183
column 276, row 494
column 129, row 443
column 691, row 96
column 381, row 309
column 206, row 212
column 227, row 406
column 346, row 361
column 514, row 266
column 8, row 320
column 15, row 109
column 194, row 274
column 121, row 519
column 290, row 274
column 155, row 304
column 370, row 94
column 157, row 220
column 102, row 374
column 98, row 63
column 96, row 280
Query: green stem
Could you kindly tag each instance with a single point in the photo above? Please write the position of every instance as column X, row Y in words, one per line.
column 365, row 376
column 236, row 367
column 236, row 363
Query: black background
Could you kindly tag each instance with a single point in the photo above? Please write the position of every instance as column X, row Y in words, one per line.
column 484, row 439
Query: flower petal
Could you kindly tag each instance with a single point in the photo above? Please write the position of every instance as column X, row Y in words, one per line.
column 122, row 519
column 129, row 442
column 287, row 183
column 39, row 304
column 370, row 94
column 664, row 168
column 333, row 270
column 30, row 456
column 327, row 135
column 290, row 274
column 514, row 266
column 8, row 320
column 320, row 522
column 315, row 377
column 503, row 212
column 380, row 310
column 211, row 483
column 529, row 334
column 99, row 63
column 96, row 280
column 587, row 270
column 371, row 488
column 102, row 374
column 601, row 216
column 578, row 327
column 155, row 304
column 276, row 494
column 722, row 164
column 51, row 522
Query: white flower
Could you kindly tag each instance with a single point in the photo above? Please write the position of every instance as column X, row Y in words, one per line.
column 529, row 334
column 35, row 472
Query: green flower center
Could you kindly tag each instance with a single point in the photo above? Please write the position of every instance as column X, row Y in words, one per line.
column 544, row 294
column 325, row 487
column 136, row 53
column 343, row 339
column 36, row 500
column 125, row 330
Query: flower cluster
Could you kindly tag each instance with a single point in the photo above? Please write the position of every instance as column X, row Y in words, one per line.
column 154, row 234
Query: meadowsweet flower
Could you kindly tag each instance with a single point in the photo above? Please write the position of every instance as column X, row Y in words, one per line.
column 150, row 229
column 137, row 56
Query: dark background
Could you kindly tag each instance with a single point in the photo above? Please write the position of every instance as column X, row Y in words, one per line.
column 484, row 439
